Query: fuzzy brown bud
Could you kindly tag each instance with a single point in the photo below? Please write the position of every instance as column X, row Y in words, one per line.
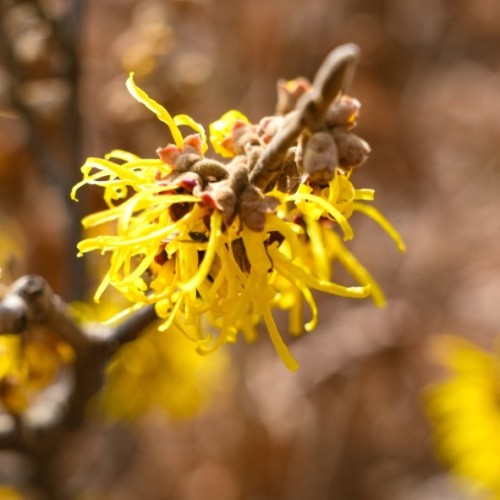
column 352, row 150
column 320, row 157
column 243, row 134
column 343, row 112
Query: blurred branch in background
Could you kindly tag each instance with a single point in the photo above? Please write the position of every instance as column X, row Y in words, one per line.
column 42, row 432
column 39, row 49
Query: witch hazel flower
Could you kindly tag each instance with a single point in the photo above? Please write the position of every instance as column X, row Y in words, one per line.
column 218, row 244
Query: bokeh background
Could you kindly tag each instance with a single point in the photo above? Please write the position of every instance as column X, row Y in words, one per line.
column 350, row 424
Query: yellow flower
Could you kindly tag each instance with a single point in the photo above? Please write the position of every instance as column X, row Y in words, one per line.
column 156, row 371
column 212, row 252
column 161, row 371
column 465, row 413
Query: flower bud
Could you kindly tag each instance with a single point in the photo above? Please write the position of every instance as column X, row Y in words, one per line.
column 352, row 150
column 320, row 157
column 343, row 111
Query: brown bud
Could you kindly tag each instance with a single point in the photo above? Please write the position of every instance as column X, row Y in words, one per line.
column 238, row 174
column 221, row 196
column 253, row 153
column 320, row 157
column 224, row 194
column 243, row 135
column 343, row 111
column 210, row 170
column 185, row 161
column 352, row 150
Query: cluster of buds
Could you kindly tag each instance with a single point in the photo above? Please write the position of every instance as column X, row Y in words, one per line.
column 224, row 187
column 327, row 144
column 217, row 244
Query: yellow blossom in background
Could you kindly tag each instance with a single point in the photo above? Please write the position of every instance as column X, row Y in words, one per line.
column 464, row 410
column 214, row 253
column 33, row 360
column 156, row 371
column 162, row 371
column 12, row 375
column 28, row 365
column 9, row 493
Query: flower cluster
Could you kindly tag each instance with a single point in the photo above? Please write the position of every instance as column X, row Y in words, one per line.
column 464, row 410
column 217, row 245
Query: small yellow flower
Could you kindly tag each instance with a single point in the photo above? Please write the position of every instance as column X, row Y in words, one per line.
column 464, row 410
column 212, row 252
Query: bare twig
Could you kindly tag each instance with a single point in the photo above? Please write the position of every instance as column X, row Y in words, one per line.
column 129, row 329
column 30, row 301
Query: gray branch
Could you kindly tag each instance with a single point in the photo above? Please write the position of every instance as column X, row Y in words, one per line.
column 30, row 301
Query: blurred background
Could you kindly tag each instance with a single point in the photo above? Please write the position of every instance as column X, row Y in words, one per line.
column 349, row 425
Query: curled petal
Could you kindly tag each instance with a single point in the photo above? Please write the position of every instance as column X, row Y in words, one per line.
column 162, row 114
column 375, row 214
